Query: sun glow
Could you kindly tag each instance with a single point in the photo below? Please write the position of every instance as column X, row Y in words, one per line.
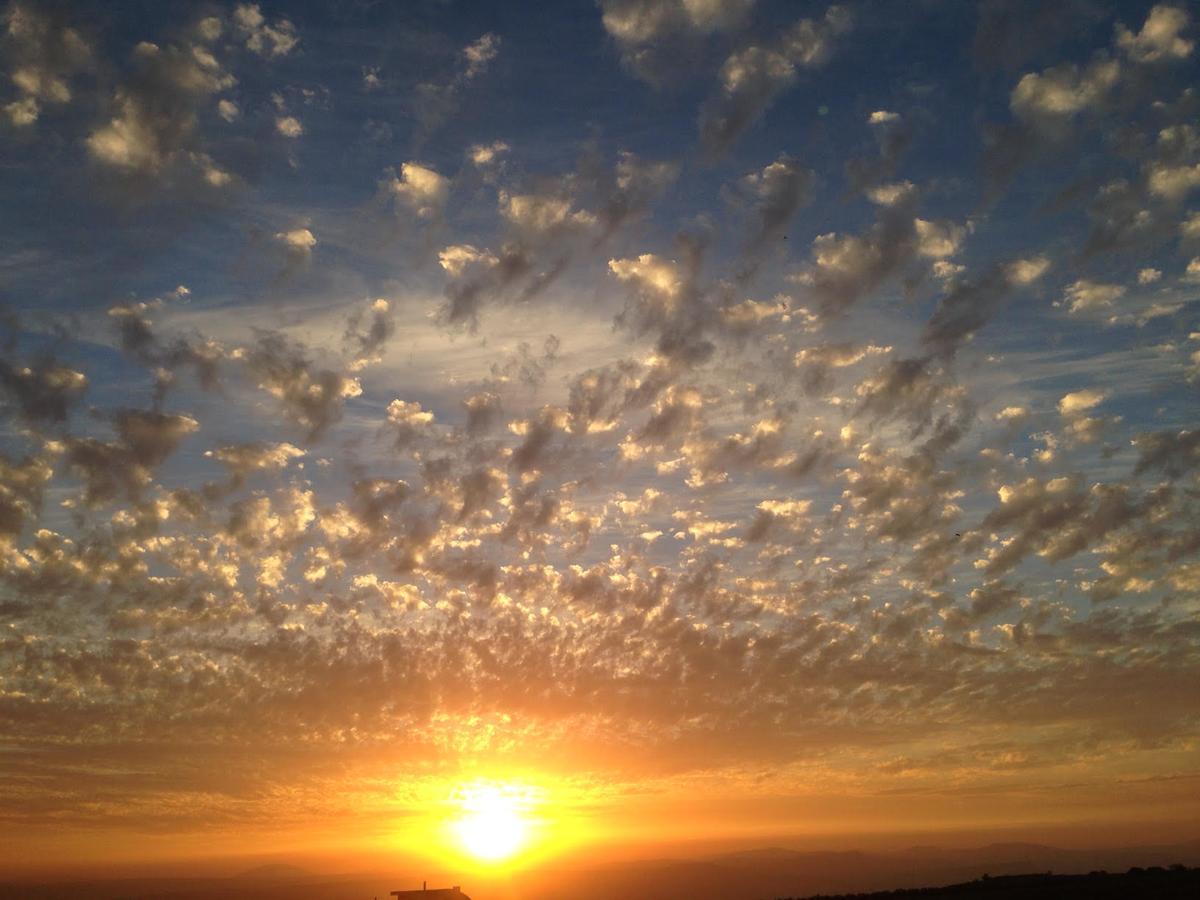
column 494, row 824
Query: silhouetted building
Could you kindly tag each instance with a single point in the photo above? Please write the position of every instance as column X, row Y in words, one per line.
column 426, row 893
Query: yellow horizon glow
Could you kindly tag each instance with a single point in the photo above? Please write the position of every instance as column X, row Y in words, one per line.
column 493, row 823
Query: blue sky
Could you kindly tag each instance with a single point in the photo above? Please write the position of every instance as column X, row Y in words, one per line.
column 711, row 367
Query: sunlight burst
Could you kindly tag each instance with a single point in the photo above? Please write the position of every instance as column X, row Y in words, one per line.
column 493, row 826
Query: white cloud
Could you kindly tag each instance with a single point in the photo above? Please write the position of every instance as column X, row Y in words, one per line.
column 456, row 258
column 262, row 38
column 43, row 54
column 289, row 126
column 479, row 54
column 1064, row 91
column 1159, row 38
column 1081, row 401
column 541, row 212
column 1189, row 229
column 1027, row 271
column 891, row 194
column 1088, row 296
column 938, row 240
column 421, row 189
column 656, row 277
column 22, row 112
column 298, row 239
column 483, row 155
column 128, row 141
column 1173, row 182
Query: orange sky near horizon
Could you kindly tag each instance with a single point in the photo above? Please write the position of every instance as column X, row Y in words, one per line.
column 362, row 825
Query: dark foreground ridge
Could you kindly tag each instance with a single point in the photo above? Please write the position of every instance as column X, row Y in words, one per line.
column 1155, row 882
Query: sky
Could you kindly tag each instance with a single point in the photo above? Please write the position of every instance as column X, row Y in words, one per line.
column 618, row 422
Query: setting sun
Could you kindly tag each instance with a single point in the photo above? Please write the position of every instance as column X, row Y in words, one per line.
column 493, row 825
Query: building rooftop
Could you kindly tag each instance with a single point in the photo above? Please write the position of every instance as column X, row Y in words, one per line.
column 428, row 893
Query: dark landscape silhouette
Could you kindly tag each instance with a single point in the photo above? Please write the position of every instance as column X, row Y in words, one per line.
column 1000, row 870
column 1157, row 882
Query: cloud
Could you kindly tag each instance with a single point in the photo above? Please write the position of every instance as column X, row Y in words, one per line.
column 652, row 35
column 844, row 268
column 123, row 468
column 436, row 102
column 43, row 392
column 817, row 363
column 485, row 155
column 1173, row 183
column 421, row 189
column 752, row 77
column 1088, row 296
column 625, row 192
column 367, row 340
column 1027, row 271
column 548, row 227
column 1064, row 91
column 310, row 396
column 916, row 390
column 657, row 279
column 667, row 301
column 542, row 212
column 167, row 357
column 154, row 123
column 1081, row 401
column 1160, row 37
column 480, row 54
column 456, row 258
column 1172, row 170
column 641, row 21
column 938, row 240
column 477, row 276
column 228, row 110
column 1056, row 518
column 774, row 194
column 289, row 126
column 891, row 194
column 1173, row 453
column 43, row 54
column 299, row 240
column 245, row 459
column 259, row 36
column 893, row 135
